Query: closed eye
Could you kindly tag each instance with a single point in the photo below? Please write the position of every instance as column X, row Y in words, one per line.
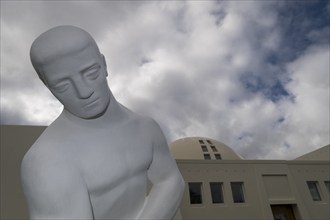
column 61, row 87
column 92, row 72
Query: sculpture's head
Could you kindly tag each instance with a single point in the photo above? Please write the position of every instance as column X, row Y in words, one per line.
column 70, row 64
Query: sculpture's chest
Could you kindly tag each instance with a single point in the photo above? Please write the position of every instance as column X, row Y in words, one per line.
column 107, row 160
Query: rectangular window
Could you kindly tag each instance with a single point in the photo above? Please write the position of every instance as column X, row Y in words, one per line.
column 204, row 148
column 216, row 192
column 313, row 189
column 208, row 141
column 217, row 156
column 195, row 192
column 237, row 192
column 201, row 141
column 214, row 148
column 327, row 185
column 207, row 156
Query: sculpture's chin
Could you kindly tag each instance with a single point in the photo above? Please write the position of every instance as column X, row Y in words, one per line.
column 91, row 113
column 96, row 115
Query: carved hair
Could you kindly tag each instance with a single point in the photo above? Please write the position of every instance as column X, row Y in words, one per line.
column 56, row 42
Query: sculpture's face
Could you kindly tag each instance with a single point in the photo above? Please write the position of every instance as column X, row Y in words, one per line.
column 78, row 81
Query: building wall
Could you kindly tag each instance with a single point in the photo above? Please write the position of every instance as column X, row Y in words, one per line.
column 15, row 141
column 225, row 172
column 320, row 172
column 266, row 183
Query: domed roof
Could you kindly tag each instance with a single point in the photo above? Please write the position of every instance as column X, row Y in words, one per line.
column 200, row 148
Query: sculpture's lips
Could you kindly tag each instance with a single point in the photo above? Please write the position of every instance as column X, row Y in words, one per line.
column 91, row 103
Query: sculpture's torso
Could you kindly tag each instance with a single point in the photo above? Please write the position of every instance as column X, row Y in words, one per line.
column 113, row 162
column 92, row 161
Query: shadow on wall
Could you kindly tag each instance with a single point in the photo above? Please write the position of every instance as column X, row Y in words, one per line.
column 15, row 141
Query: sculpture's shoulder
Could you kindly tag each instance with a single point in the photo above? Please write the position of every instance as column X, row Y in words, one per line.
column 51, row 181
column 45, row 153
column 150, row 130
column 43, row 144
column 141, row 121
column 46, row 171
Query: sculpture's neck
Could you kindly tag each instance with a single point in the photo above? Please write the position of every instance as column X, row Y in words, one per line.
column 112, row 115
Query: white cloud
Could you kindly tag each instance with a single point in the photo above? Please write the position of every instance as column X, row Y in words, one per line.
column 184, row 64
column 309, row 113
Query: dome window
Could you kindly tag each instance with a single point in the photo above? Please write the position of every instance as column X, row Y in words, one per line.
column 218, row 156
column 207, row 156
column 204, row 148
column 208, row 141
column 214, row 148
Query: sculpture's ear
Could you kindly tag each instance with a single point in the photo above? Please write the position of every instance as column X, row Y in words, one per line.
column 105, row 65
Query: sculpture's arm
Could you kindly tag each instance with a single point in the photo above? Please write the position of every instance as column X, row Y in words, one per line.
column 168, row 185
column 53, row 189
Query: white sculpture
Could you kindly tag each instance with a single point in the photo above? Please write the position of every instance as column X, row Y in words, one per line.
column 94, row 160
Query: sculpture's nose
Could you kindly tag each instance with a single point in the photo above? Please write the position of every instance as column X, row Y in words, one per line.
column 83, row 90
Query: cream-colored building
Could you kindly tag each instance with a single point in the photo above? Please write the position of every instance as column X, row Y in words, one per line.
column 219, row 183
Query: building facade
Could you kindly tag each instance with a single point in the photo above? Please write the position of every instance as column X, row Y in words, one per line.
column 222, row 185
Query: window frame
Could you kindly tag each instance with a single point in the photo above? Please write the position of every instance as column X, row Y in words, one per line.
column 214, row 149
column 315, row 197
column 218, row 158
column 207, row 156
column 327, row 185
column 213, row 195
column 195, row 200
column 241, row 192
column 204, row 148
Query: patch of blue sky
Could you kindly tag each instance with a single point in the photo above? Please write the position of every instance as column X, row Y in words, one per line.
column 245, row 135
column 255, row 84
column 276, row 92
column 297, row 19
column 279, row 121
column 287, row 145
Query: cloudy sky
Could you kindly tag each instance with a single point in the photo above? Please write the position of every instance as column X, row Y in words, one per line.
column 251, row 74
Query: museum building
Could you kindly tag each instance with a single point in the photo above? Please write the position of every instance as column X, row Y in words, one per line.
column 220, row 184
